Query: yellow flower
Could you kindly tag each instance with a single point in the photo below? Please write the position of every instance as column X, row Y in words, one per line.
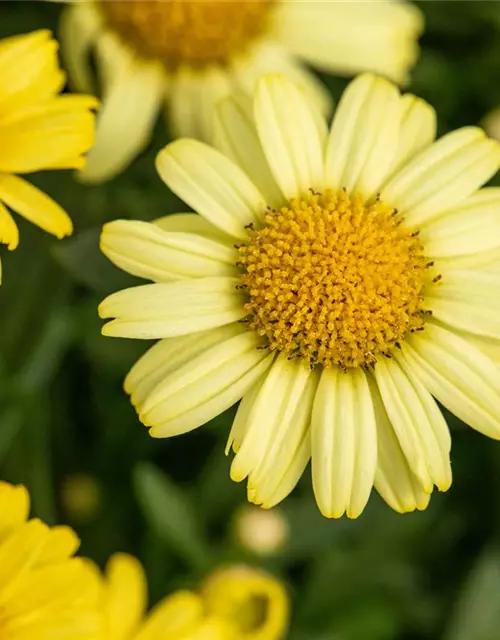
column 336, row 281
column 190, row 53
column 248, row 605
column 39, row 130
column 45, row 593
column 255, row 602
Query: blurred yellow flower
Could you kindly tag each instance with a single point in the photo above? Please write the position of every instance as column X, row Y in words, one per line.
column 243, row 605
column 191, row 53
column 335, row 282
column 45, row 593
column 253, row 601
column 38, row 130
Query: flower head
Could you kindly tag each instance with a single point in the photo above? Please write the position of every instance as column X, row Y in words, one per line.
column 337, row 282
column 232, row 605
column 45, row 593
column 39, row 130
column 192, row 53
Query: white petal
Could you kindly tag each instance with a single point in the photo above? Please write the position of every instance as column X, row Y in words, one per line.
column 458, row 374
column 418, row 128
column 418, row 423
column 240, row 422
column 289, row 136
column 364, row 137
column 394, row 480
column 443, row 175
column 350, row 37
column 193, row 97
column 173, row 309
column 291, row 476
column 170, row 354
column 471, row 228
column 343, row 443
column 212, row 185
column 468, row 301
column 192, row 223
column 267, row 57
column 146, row 251
column 183, row 103
column 197, row 390
column 278, row 423
column 125, row 121
column 282, row 466
column 236, row 136
column 79, row 28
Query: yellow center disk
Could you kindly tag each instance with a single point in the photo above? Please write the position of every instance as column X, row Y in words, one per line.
column 188, row 31
column 333, row 280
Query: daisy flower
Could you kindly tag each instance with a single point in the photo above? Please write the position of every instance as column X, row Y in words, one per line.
column 39, row 130
column 228, row 607
column 45, row 593
column 188, row 54
column 338, row 282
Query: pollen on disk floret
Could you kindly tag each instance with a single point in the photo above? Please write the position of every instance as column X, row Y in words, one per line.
column 334, row 279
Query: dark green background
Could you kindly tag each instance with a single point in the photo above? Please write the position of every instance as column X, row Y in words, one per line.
column 432, row 575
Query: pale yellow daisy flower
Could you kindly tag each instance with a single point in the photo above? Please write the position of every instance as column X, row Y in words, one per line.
column 188, row 54
column 45, row 593
column 39, row 130
column 237, row 603
column 338, row 282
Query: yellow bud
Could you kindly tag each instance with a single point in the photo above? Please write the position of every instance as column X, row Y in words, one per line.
column 263, row 532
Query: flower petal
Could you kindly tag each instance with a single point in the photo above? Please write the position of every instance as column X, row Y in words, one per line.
column 178, row 615
column 418, row 423
column 29, row 69
column 9, row 233
column 53, row 135
column 278, row 425
column 394, row 480
column 350, row 37
column 19, row 552
column 192, row 223
column 168, row 355
column 364, row 137
column 418, row 129
column 146, row 251
column 126, row 120
column 235, row 135
column 468, row 301
column 443, row 175
column 471, row 228
column 197, row 390
column 343, row 443
column 125, row 596
column 173, row 309
column 289, row 136
column 14, row 506
column 79, row 28
column 212, row 185
column 458, row 374
column 266, row 57
column 34, row 205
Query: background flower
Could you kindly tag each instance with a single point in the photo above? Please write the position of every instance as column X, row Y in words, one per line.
column 189, row 54
column 39, row 130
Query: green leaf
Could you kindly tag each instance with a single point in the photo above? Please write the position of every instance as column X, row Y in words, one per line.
column 477, row 612
column 171, row 515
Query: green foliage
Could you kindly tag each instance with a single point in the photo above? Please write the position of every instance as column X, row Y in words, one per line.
column 426, row 576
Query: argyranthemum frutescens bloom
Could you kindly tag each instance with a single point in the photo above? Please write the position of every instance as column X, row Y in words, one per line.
column 235, row 603
column 39, row 130
column 45, row 593
column 334, row 281
column 191, row 53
